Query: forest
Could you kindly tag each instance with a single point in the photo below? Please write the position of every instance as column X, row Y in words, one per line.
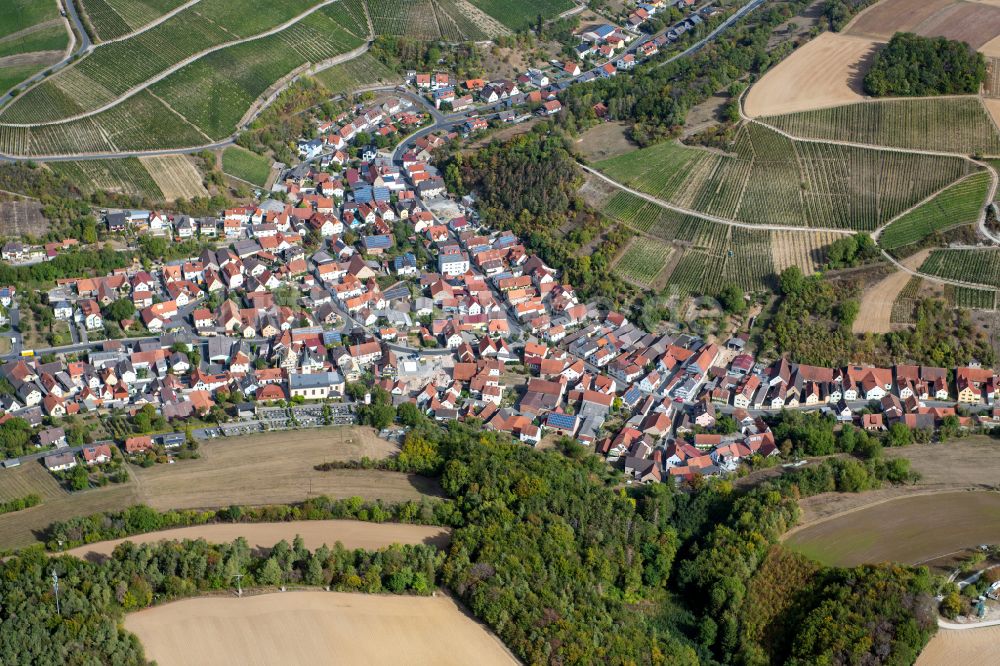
column 566, row 566
column 914, row 66
column 529, row 185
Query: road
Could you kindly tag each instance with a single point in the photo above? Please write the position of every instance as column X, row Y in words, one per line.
column 740, row 13
column 83, row 45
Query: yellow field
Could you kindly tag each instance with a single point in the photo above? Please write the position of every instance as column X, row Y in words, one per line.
column 176, row 176
column 315, row 533
column 262, row 469
column 315, row 628
column 968, row 646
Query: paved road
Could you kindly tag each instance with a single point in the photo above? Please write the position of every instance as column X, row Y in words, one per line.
column 83, row 44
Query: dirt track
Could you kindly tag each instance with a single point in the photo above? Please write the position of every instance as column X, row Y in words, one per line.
column 315, row 533
column 825, row 72
column 315, row 628
column 876, row 302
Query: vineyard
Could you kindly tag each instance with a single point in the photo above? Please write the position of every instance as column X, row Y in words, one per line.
column 958, row 125
column 426, row 19
column 16, row 15
column 644, row 259
column 111, row 19
column 214, row 92
column 960, row 204
column 906, row 302
column 770, row 179
column 520, row 14
column 976, row 299
column 141, row 123
column 245, row 165
column 975, row 266
column 112, row 69
column 365, row 70
column 123, row 176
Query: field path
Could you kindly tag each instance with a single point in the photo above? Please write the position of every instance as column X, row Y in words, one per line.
column 315, row 533
column 170, row 70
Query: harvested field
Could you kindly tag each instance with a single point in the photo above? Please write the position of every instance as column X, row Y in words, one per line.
column 825, row 72
column 262, row 469
column 973, row 464
column 20, row 217
column 911, row 530
column 262, row 536
column 176, row 176
column 278, row 467
column 604, row 140
column 977, row 23
column 949, row 647
column 315, row 628
column 877, row 301
column 29, row 478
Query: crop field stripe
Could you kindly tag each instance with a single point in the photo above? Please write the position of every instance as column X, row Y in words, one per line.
column 126, row 176
column 246, row 165
column 959, row 204
column 959, row 125
column 643, row 260
column 977, row 266
column 521, row 14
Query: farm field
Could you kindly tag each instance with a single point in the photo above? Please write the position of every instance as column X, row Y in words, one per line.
column 365, row 70
column 111, row 19
column 214, row 92
column 448, row 20
column 949, row 647
column 114, row 68
column 962, row 203
column 246, row 165
column 905, row 303
column 770, row 179
column 519, row 14
column 907, row 529
column 27, row 479
column 827, row 71
column 262, row 536
column 643, row 260
column 976, row 23
column 32, row 37
column 972, row 265
column 876, row 305
column 246, row 470
column 49, row 38
column 124, row 176
column 176, row 176
column 312, row 627
column 975, row 299
column 959, row 125
column 142, row 123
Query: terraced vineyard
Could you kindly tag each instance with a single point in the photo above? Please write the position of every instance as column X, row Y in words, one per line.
column 124, row 176
column 978, row 266
column 365, row 70
column 112, row 69
column 643, row 260
column 111, row 19
column 214, row 92
column 520, row 14
column 770, row 179
column 960, row 204
column 958, row 125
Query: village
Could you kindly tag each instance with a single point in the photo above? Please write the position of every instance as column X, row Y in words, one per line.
column 368, row 271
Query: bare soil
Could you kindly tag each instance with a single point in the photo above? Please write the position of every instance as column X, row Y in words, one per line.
column 40, row 58
column 977, row 23
column 262, row 536
column 828, row 71
column 19, row 217
column 604, row 140
column 876, row 302
column 315, row 628
column 882, row 20
column 949, row 647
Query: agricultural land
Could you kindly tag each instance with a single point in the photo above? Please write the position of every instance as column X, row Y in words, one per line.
column 246, row 165
column 240, row 471
column 32, row 37
column 308, row 627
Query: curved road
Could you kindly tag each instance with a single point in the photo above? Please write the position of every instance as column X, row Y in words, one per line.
column 84, row 44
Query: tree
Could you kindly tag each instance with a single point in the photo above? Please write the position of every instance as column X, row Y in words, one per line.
column 120, row 310
column 270, row 574
column 732, row 299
